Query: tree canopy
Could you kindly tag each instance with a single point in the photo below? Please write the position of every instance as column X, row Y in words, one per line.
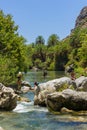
column 12, row 49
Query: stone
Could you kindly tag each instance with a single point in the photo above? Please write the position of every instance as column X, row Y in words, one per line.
column 70, row 99
column 81, row 83
column 8, row 98
column 50, row 87
column 1, row 128
column 22, row 99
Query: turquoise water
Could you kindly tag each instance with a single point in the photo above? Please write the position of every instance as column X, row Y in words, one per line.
column 26, row 116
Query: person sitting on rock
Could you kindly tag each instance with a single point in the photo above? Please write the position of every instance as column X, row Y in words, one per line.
column 73, row 75
column 70, row 70
column 21, row 83
column 36, row 88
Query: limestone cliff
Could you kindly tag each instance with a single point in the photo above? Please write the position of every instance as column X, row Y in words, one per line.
column 81, row 20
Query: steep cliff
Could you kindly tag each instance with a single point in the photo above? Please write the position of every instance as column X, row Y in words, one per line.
column 81, row 20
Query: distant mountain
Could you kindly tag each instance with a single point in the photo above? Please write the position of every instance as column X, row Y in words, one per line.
column 81, row 20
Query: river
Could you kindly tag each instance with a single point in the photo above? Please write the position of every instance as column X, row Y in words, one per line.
column 26, row 116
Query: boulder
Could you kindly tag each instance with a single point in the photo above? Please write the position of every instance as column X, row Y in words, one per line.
column 25, row 89
column 56, row 84
column 22, row 99
column 81, row 83
column 70, row 99
column 1, row 128
column 41, row 97
column 8, row 98
column 25, row 83
column 50, row 87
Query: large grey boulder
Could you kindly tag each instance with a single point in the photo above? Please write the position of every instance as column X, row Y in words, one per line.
column 1, row 128
column 8, row 98
column 25, row 83
column 56, row 84
column 24, row 87
column 81, row 83
column 69, row 99
column 50, row 87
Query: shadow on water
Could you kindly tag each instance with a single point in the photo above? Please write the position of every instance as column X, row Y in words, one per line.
column 37, row 76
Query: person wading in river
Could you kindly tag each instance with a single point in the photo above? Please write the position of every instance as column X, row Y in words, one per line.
column 19, row 80
column 44, row 73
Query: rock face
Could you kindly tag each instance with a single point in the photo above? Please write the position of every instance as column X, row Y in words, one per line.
column 8, row 99
column 81, row 20
column 1, row 128
column 70, row 99
column 56, row 94
column 50, row 87
column 81, row 83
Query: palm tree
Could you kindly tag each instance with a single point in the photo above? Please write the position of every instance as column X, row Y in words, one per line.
column 40, row 40
column 53, row 40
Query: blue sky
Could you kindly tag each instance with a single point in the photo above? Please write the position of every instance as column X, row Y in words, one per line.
column 43, row 17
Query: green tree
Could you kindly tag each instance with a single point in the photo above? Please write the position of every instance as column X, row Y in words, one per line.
column 77, row 39
column 50, row 57
column 61, row 55
column 7, row 70
column 39, row 53
column 52, row 40
column 40, row 40
column 82, row 54
column 12, row 47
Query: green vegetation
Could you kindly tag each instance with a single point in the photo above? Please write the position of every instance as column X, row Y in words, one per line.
column 16, row 55
column 56, row 54
column 12, row 50
column 65, row 86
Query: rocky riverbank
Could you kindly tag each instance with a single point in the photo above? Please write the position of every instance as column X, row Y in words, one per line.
column 63, row 92
column 10, row 95
column 54, row 94
column 8, row 98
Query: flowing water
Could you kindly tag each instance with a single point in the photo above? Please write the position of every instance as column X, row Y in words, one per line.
column 26, row 116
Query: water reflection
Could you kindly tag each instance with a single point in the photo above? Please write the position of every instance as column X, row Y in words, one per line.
column 37, row 76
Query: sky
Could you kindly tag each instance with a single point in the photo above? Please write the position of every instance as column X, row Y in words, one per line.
column 43, row 17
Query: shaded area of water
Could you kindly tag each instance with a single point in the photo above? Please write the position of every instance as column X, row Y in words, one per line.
column 26, row 116
column 38, row 76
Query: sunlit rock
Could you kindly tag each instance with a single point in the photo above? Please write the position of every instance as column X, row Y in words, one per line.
column 50, row 87
column 81, row 83
column 69, row 99
column 8, row 98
